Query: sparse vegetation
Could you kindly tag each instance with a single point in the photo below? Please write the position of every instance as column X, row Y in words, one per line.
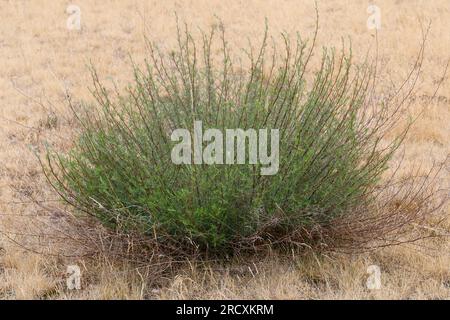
column 43, row 63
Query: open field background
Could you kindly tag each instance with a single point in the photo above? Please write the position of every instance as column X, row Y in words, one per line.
column 40, row 59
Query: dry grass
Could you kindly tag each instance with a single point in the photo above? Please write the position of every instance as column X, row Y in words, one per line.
column 41, row 59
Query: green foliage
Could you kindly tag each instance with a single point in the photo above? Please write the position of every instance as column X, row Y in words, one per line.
column 331, row 159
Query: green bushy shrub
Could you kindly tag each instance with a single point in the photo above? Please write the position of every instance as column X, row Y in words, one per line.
column 331, row 155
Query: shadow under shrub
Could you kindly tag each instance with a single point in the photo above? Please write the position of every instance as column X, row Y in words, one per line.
column 333, row 149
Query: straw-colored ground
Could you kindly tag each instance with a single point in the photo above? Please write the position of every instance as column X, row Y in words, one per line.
column 40, row 58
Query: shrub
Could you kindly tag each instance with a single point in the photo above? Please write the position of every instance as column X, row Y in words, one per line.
column 333, row 150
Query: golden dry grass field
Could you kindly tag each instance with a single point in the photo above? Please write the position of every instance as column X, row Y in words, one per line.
column 41, row 59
